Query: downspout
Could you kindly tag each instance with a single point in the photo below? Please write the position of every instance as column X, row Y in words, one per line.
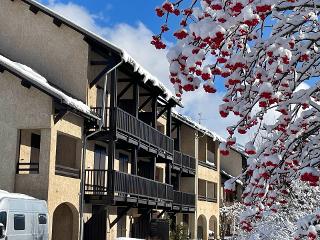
column 84, row 148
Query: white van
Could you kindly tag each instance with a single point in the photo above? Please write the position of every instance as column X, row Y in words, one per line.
column 22, row 217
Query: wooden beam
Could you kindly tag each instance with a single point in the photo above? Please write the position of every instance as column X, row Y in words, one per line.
column 169, row 122
column 136, row 98
column 99, row 62
column 161, row 112
column 60, row 115
column 57, row 22
column 134, row 159
column 124, row 212
column 26, row 84
column 168, row 173
column 100, row 75
column 124, row 90
column 154, row 111
column 145, row 102
column 160, row 214
column 34, row 9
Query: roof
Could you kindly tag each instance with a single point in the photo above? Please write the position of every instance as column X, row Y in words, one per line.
column 125, row 56
column 41, row 83
column 193, row 124
column 230, row 176
column 5, row 194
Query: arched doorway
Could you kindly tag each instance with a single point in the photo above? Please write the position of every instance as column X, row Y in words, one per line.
column 202, row 228
column 213, row 228
column 65, row 222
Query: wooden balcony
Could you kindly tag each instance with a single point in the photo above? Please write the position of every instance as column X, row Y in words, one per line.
column 184, row 162
column 135, row 131
column 184, row 202
column 126, row 188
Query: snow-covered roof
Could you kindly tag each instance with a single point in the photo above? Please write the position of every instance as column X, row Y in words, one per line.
column 189, row 121
column 230, row 176
column 147, row 76
column 39, row 81
column 5, row 194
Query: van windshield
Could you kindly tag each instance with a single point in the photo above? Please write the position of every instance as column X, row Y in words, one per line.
column 3, row 218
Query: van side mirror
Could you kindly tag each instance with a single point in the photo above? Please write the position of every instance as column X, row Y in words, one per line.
column 2, row 231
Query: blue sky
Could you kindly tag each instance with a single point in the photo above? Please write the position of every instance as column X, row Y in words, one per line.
column 111, row 12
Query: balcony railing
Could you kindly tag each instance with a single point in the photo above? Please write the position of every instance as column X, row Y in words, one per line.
column 67, row 171
column 134, row 127
column 144, row 132
column 184, row 199
column 27, row 168
column 96, row 183
column 185, row 161
column 207, row 198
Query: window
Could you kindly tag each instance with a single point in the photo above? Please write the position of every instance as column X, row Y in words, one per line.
column 123, row 162
column 19, row 222
column 3, row 219
column 29, row 151
column 100, row 156
column 42, row 219
column 35, row 148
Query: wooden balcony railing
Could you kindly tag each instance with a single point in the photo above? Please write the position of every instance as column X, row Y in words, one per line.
column 183, row 160
column 67, row 171
column 96, row 183
column 184, row 199
column 27, row 168
column 144, row 132
column 134, row 127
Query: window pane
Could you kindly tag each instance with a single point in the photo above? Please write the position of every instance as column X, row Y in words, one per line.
column 42, row 219
column 3, row 219
column 19, row 222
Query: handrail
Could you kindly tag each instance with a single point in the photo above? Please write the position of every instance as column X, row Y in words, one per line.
column 136, row 127
column 31, row 167
column 126, row 184
column 184, row 160
column 183, row 198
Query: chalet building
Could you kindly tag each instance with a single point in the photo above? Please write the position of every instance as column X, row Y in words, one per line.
column 86, row 128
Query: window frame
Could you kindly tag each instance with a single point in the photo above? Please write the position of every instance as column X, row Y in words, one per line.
column 15, row 218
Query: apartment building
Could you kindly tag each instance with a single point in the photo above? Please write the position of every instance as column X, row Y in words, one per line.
column 79, row 115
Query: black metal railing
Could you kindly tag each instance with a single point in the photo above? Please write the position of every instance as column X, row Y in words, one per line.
column 207, row 165
column 67, row 171
column 183, row 198
column 96, row 183
column 207, row 198
column 144, row 132
column 27, row 168
column 184, row 160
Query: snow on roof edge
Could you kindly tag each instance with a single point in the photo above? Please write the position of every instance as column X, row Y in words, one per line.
column 188, row 120
column 124, row 54
column 38, row 80
column 230, row 176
